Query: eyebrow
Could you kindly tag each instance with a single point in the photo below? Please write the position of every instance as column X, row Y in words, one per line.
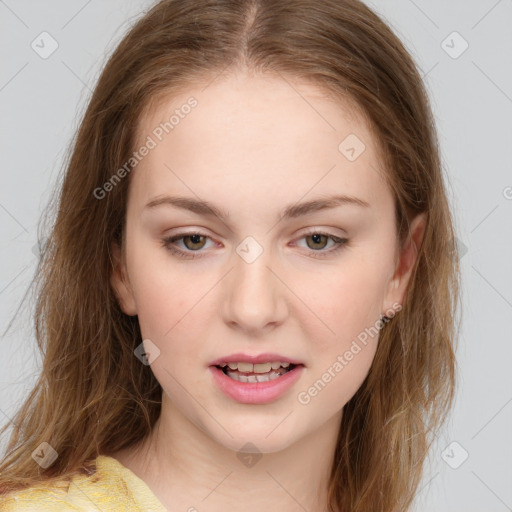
column 289, row 212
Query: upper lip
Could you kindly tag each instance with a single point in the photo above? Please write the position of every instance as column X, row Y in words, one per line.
column 255, row 359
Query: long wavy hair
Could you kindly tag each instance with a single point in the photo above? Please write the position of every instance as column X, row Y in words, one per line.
column 93, row 396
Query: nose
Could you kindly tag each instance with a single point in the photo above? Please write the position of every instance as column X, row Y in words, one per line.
column 255, row 295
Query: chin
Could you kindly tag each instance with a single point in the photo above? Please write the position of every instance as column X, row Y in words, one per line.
column 256, row 439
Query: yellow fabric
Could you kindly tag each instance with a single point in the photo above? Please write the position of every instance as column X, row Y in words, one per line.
column 113, row 487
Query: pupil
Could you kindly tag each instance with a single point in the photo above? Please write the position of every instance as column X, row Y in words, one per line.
column 316, row 238
column 194, row 240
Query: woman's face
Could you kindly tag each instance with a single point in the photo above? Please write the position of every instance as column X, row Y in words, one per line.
column 281, row 267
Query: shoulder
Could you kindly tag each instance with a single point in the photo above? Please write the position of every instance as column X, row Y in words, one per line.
column 110, row 487
column 78, row 494
column 46, row 499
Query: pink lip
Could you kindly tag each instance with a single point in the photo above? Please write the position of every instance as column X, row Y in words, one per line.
column 255, row 359
column 256, row 392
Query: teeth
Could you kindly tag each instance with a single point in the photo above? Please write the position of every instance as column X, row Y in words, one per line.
column 240, row 377
column 245, row 367
column 255, row 368
column 262, row 367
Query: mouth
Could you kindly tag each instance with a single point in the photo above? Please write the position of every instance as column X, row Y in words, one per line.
column 249, row 373
column 256, row 383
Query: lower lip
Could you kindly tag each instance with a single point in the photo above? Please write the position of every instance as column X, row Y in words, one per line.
column 256, row 392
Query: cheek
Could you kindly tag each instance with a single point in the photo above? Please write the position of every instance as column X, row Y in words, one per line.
column 334, row 384
column 172, row 318
column 166, row 301
column 344, row 342
column 343, row 301
column 345, row 329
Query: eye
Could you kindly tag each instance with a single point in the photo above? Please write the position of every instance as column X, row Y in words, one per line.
column 195, row 241
column 317, row 240
column 192, row 242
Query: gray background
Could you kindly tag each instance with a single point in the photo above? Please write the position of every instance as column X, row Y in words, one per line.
column 41, row 102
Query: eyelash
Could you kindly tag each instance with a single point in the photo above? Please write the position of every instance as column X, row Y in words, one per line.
column 168, row 244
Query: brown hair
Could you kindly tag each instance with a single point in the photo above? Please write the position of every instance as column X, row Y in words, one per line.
column 93, row 396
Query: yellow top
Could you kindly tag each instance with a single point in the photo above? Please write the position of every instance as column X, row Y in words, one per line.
column 113, row 487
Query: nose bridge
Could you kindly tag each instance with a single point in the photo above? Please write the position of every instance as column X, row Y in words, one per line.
column 255, row 296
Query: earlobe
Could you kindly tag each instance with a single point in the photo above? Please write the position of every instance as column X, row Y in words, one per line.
column 120, row 282
column 409, row 254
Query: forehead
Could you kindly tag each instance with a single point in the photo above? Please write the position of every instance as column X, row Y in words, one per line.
column 252, row 134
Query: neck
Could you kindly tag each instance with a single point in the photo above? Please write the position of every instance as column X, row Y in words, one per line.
column 185, row 468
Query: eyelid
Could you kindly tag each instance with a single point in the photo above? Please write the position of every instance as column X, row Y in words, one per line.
column 340, row 243
column 167, row 242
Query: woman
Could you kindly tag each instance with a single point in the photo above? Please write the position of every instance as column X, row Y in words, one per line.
column 304, row 357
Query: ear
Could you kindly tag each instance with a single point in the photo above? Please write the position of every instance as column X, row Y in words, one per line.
column 120, row 282
column 398, row 284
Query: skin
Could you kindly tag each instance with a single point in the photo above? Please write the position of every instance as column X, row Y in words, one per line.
column 252, row 146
